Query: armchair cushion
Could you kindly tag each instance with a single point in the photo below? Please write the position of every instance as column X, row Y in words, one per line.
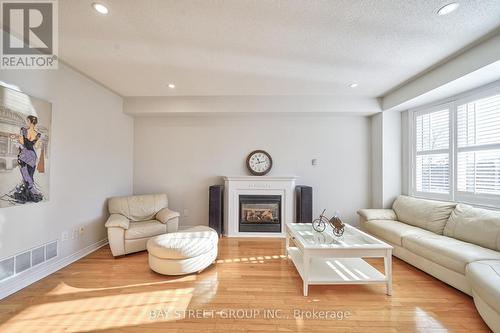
column 166, row 214
column 138, row 207
column 145, row 229
column 117, row 220
column 377, row 214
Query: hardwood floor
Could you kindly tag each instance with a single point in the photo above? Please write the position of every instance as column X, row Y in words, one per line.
column 251, row 282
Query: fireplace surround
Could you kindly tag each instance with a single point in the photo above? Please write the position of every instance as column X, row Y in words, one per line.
column 260, row 223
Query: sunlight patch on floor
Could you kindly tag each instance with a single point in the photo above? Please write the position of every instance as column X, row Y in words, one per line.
column 97, row 313
column 424, row 321
column 64, row 289
column 252, row 260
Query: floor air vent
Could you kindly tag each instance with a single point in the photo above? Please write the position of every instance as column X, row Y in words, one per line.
column 38, row 255
column 25, row 260
column 6, row 268
column 51, row 250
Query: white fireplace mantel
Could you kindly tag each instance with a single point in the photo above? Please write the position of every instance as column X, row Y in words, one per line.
column 234, row 186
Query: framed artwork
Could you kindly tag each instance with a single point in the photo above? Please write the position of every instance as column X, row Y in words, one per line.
column 25, row 124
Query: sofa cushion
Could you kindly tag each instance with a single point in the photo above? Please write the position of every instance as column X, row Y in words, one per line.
column 448, row 252
column 184, row 244
column 138, row 207
column 484, row 277
column 145, row 229
column 377, row 214
column 427, row 214
column 474, row 225
column 392, row 231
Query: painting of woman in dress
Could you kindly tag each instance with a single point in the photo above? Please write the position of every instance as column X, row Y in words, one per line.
column 24, row 142
column 29, row 139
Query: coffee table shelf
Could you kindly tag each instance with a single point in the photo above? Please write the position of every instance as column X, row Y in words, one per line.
column 337, row 270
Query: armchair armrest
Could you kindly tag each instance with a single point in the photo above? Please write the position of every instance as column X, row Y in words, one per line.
column 166, row 214
column 377, row 214
column 117, row 220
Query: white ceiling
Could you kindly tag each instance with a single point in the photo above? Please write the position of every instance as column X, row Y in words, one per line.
column 267, row 47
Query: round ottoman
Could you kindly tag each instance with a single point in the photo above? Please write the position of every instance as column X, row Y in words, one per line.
column 183, row 252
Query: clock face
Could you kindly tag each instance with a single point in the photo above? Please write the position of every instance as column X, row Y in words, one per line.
column 259, row 162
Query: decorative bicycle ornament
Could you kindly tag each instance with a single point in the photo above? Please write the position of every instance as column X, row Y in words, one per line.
column 335, row 223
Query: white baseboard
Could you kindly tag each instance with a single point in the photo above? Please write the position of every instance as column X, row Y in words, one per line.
column 36, row 273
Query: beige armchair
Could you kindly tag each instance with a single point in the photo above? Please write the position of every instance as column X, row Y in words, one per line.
column 135, row 219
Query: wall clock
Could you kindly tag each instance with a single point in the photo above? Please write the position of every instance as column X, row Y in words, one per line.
column 259, row 162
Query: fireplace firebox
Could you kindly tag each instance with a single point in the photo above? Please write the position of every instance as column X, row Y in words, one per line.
column 260, row 213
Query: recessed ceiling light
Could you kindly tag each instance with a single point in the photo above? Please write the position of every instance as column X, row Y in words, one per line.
column 100, row 8
column 171, row 85
column 446, row 9
column 353, row 85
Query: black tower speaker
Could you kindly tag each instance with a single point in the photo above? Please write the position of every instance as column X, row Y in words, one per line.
column 303, row 204
column 216, row 208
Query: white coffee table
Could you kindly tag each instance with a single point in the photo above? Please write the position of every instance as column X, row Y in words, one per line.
column 321, row 258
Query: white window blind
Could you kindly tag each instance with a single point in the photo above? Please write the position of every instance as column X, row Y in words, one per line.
column 432, row 152
column 455, row 151
column 478, row 147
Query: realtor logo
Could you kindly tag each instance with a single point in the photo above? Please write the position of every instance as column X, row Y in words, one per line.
column 29, row 34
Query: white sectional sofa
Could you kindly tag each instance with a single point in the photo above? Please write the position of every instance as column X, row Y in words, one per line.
column 455, row 243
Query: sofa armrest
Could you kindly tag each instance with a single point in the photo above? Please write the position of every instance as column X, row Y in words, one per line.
column 165, row 214
column 173, row 225
column 116, row 239
column 377, row 214
column 117, row 220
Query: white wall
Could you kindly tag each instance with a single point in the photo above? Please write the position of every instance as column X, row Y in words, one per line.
column 91, row 160
column 386, row 158
column 391, row 157
column 184, row 155
column 377, row 166
column 405, row 153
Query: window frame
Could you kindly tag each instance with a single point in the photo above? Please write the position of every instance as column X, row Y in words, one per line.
column 414, row 153
column 482, row 199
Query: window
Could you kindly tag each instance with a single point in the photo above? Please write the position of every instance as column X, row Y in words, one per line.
column 478, row 147
column 456, row 150
column 432, row 164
